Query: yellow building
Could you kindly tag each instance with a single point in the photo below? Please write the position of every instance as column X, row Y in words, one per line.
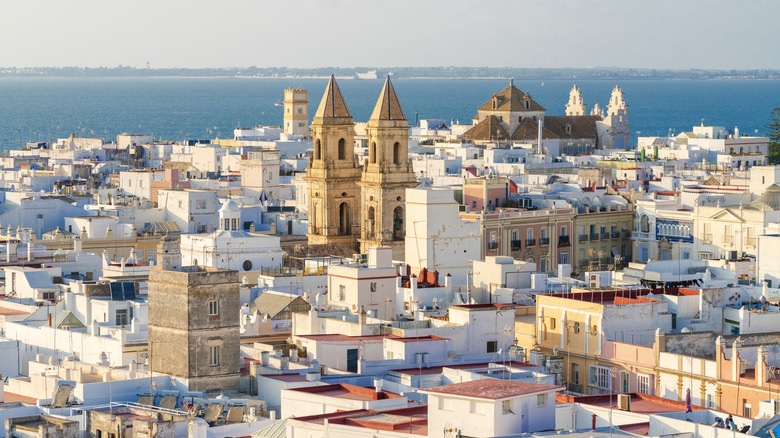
column 296, row 112
column 333, row 173
column 386, row 175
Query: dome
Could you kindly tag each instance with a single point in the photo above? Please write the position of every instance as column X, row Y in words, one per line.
column 229, row 206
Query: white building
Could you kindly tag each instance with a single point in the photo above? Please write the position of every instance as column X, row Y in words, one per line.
column 371, row 287
column 230, row 247
column 436, row 238
column 195, row 211
column 491, row 407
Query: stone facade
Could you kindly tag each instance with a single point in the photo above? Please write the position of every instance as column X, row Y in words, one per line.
column 386, row 175
column 130, row 422
column 296, row 112
column 194, row 325
column 333, row 173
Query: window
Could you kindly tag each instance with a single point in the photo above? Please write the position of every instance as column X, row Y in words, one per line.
column 576, row 374
column 577, row 328
column 445, row 404
column 227, row 224
column 121, row 317
column 552, row 323
column 563, row 231
column 506, row 407
column 643, row 384
column 541, row 400
column 373, row 286
column 473, row 204
column 342, row 292
column 624, row 384
column 342, row 150
column 99, row 433
column 200, row 204
column 213, row 308
column 563, row 258
column 747, row 411
column 214, row 356
column 710, row 402
column 234, row 223
column 529, row 234
column 492, row 346
column 599, row 377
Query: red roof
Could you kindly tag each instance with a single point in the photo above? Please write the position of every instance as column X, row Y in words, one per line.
column 492, row 389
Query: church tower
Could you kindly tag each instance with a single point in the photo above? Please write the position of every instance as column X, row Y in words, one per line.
column 575, row 107
column 617, row 120
column 387, row 173
column 333, row 173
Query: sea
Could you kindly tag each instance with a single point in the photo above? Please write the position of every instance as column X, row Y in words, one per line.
column 175, row 108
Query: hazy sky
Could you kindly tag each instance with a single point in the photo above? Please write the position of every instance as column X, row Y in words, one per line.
column 733, row 34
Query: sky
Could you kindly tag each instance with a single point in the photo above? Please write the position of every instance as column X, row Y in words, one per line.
column 663, row 34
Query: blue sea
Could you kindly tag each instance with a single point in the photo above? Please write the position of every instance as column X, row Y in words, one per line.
column 44, row 109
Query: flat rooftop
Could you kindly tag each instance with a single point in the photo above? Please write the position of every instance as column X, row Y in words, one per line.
column 346, row 391
column 492, row 389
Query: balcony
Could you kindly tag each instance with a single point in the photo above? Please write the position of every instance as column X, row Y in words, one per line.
column 594, row 236
column 544, row 241
column 641, row 235
column 583, row 238
column 530, row 242
column 727, row 239
column 492, row 245
column 616, row 235
column 706, row 237
column 516, row 244
column 604, row 236
column 626, row 233
column 750, row 241
column 563, row 241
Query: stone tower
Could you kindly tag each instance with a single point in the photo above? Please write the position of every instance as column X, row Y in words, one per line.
column 333, row 173
column 387, row 173
column 296, row 112
column 193, row 323
column 169, row 253
column 575, row 107
column 617, row 120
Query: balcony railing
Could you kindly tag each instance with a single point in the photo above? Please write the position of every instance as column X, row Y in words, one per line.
column 707, row 237
column 604, row 236
column 727, row 239
column 530, row 242
column 616, row 235
column 626, row 233
column 544, row 241
column 594, row 236
column 750, row 241
column 516, row 244
column 563, row 241
column 492, row 245
column 583, row 237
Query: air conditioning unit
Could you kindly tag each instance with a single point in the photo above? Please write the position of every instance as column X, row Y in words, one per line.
column 624, row 402
column 594, row 280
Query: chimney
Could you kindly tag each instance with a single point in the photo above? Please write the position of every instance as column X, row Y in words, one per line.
column 761, row 366
column 378, row 385
column 541, row 125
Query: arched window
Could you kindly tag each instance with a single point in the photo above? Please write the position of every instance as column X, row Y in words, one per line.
column 370, row 223
column 317, row 150
column 372, row 153
column 398, row 223
column 344, row 225
column 396, row 153
column 342, row 150
column 644, row 224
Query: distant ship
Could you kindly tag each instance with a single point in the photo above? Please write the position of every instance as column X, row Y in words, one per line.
column 278, row 103
column 371, row 74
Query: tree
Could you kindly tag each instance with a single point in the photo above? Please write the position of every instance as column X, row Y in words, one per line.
column 773, row 132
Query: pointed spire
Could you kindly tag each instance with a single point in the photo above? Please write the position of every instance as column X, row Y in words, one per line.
column 388, row 107
column 332, row 104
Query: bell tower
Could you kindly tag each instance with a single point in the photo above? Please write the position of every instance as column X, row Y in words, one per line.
column 387, row 173
column 333, row 173
column 575, row 107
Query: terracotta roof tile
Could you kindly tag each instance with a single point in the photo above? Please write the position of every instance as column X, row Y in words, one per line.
column 511, row 99
column 488, row 129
